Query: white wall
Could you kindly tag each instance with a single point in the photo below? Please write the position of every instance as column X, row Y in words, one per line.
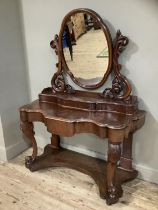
column 3, row 155
column 138, row 19
column 13, row 82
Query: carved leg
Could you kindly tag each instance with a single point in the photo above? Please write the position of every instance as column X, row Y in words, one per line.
column 55, row 142
column 126, row 156
column 27, row 129
column 113, row 192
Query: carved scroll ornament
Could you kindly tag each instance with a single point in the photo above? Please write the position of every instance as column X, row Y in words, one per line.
column 121, row 87
column 58, row 81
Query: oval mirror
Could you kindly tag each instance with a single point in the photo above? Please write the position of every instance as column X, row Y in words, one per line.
column 86, row 48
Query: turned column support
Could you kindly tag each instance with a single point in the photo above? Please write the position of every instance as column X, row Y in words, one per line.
column 126, row 156
column 28, row 130
column 55, row 142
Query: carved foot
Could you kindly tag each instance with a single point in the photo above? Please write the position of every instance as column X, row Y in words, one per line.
column 113, row 194
column 114, row 191
column 29, row 160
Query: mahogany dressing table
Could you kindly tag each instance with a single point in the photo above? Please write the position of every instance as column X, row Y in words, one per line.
column 111, row 114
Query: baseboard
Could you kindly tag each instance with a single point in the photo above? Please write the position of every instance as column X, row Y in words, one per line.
column 84, row 151
column 3, row 154
column 145, row 173
column 7, row 153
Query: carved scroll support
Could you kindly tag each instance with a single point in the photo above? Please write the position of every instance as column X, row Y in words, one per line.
column 27, row 129
column 113, row 192
column 59, row 85
column 58, row 82
column 121, row 87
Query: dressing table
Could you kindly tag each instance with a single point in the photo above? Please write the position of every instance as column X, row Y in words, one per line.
column 112, row 115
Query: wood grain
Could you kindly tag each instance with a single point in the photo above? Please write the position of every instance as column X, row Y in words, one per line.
column 67, row 120
column 113, row 114
column 65, row 189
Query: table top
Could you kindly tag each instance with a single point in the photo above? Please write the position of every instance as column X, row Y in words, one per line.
column 99, row 118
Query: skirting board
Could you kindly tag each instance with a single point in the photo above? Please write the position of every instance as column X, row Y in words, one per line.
column 3, row 154
column 145, row 173
column 7, row 153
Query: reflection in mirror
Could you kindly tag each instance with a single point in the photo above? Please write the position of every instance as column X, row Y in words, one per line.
column 85, row 48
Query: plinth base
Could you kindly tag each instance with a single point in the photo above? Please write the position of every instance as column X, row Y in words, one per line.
column 94, row 167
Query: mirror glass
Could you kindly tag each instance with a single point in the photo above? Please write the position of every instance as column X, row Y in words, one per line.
column 85, row 48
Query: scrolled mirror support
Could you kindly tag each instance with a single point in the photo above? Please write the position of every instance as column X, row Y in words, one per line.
column 58, row 82
column 121, row 87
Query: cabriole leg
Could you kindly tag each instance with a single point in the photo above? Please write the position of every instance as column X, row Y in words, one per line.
column 114, row 192
column 28, row 130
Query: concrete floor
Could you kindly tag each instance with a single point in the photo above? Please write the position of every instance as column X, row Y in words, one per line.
column 65, row 189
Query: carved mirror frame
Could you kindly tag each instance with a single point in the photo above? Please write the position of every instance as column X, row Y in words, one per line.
column 109, row 44
column 121, row 87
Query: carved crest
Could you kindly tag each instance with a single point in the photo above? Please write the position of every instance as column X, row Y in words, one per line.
column 54, row 44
